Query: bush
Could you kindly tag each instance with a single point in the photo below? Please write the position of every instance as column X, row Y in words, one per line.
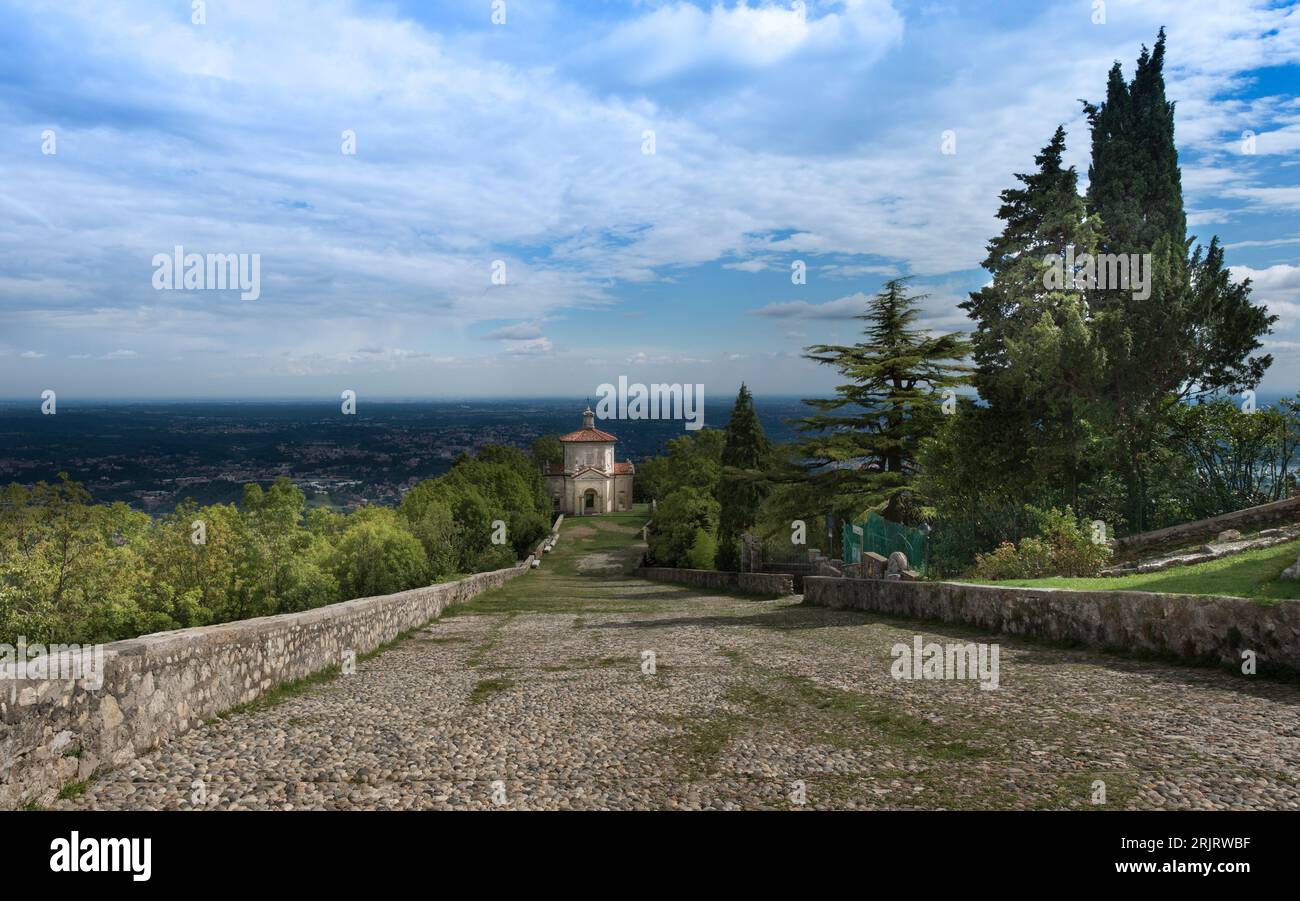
column 959, row 538
column 439, row 535
column 676, row 521
column 1063, row 547
column 527, row 531
column 378, row 557
column 703, row 552
column 494, row 557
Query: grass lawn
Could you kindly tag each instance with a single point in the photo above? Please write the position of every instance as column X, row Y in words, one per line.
column 1253, row 574
column 556, row 587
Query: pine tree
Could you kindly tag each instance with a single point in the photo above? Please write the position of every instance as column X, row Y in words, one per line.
column 740, row 489
column 1197, row 331
column 862, row 444
column 1035, row 361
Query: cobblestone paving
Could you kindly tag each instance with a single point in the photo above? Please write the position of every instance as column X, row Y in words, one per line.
column 536, row 694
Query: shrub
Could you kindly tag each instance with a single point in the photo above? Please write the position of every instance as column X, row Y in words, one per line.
column 526, row 532
column 378, row 557
column 703, row 552
column 676, row 521
column 1063, row 547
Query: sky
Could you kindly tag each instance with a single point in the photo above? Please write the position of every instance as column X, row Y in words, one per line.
column 444, row 204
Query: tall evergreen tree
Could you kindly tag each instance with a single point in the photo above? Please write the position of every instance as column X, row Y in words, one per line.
column 861, row 445
column 740, row 488
column 1197, row 331
column 1035, row 360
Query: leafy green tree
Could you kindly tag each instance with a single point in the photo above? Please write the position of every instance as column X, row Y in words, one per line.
column 439, row 535
column 741, row 485
column 547, row 449
column 693, row 461
column 523, row 465
column 377, row 556
column 703, row 552
column 526, row 530
column 1241, row 459
column 676, row 523
column 69, row 571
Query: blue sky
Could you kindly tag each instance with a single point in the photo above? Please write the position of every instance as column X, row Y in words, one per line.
column 780, row 134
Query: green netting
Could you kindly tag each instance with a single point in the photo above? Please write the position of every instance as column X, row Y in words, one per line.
column 883, row 537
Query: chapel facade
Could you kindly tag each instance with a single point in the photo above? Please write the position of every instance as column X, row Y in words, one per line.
column 589, row 481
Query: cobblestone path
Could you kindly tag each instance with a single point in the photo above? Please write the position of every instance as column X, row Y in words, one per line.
column 534, row 696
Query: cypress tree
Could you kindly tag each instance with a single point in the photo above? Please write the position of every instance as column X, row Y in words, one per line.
column 740, row 490
column 1197, row 331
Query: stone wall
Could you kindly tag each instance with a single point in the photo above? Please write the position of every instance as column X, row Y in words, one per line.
column 745, row 583
column 1204, row 629
column 158, row 686
column 1283, row 511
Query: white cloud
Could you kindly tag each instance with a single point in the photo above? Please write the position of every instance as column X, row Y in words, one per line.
column 1278, row 288
column 517, row 331
column 232, row 143
column 530, row 348
column 680, row 37
column 843, row 308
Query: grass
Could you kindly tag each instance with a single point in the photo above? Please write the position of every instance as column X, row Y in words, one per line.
column 484, row 689
column 74, row 789
column 1252, row 574
column 387, row 645
column 550, row 588
column 281, row 693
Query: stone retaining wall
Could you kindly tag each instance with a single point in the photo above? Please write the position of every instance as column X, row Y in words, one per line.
column 1197, row 628
column 158, row 686
column 1283, row 511
column 746, row 583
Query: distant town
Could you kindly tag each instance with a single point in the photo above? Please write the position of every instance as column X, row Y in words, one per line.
column 152, row 455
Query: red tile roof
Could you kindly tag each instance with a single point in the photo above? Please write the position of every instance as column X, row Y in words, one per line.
column 588, row 435
column 624, row 468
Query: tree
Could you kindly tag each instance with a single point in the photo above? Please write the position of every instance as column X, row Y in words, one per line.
column 1241, row 459
column 438, row 534
column 703, row 552
column 376, row 556
column 677, row 523
column 1197, row 331
column 693, row 461
column 547, row 449
column 1036, row 364
column 741, row 489
column 862, row 444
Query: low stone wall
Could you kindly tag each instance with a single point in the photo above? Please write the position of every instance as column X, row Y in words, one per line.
column 1283, row 511
column 158, row 686
column 1203, row 629
column 746, row 583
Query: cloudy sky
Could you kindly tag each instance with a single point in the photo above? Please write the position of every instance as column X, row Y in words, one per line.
column 779, row 134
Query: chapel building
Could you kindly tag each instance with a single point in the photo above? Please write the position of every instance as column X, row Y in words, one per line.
column 589, row 481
